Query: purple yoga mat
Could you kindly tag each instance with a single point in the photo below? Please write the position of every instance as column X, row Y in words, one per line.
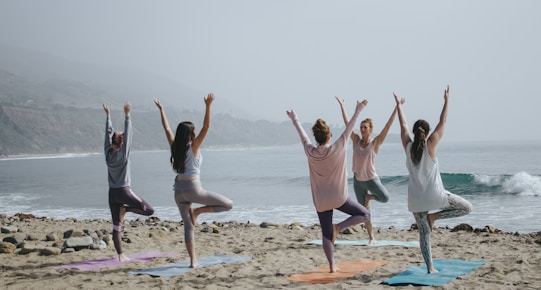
column 113, row 261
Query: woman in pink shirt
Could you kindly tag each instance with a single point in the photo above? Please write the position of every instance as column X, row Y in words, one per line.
column 366, row 182
column 328, row 179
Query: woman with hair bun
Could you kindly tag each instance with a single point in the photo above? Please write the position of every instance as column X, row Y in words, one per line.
column 428, row 200
column 328, row 179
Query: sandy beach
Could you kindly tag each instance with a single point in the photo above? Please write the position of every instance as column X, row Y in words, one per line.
column 277, row 251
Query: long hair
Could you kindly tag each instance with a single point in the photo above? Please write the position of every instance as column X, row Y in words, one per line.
column 421, row 128
column 183, row 137
column 321, row 131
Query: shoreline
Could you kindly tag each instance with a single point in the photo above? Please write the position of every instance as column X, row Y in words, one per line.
column 251, row 145
column 276, row 250
column 170, row 214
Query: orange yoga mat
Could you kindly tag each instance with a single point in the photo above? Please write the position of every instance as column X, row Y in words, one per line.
column 347, row 269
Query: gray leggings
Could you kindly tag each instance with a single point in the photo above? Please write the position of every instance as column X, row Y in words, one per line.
column 374, row 186
column 191, row 191
column 457, row 207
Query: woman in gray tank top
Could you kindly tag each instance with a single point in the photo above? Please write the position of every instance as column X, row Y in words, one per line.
column 186, row 161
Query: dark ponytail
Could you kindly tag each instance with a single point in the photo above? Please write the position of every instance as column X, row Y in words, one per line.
column 421, row 128
column 184, row 135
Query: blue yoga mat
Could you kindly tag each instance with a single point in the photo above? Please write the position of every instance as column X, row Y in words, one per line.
column 378, row 243
column 113, row 261
column 448, row 269
column 182, row 267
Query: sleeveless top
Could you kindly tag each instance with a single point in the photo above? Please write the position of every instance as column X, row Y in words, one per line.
column 192, row 164
column 364, row 160
column 425, row 188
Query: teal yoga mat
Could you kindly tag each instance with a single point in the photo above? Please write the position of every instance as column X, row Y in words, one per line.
column 378, row 243
column 113, row 261
column 182, row 267
column 449, row 269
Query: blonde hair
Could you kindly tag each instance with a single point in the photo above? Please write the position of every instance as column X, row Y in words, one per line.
column 369, row 122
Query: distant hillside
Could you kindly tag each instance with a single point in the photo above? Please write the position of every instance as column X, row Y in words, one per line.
column 61, row 116
column 31, row 129
column 49, row 105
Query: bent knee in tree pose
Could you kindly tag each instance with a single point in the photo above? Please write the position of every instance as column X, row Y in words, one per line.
column 428, row 200
column 122, row 199
column 186, row 160
column 328, row 179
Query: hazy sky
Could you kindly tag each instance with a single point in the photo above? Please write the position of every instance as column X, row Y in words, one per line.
column 269, row 56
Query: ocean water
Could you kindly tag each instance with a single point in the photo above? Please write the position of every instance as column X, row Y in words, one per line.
column 501, row 179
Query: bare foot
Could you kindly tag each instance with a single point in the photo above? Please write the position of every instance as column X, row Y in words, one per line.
column 194, row 264
column 432, row 271
column 334, row 268
column 123, row 258
column 371, row 242
column 335, row 231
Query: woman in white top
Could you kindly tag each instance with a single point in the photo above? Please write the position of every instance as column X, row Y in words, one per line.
column 428, row 200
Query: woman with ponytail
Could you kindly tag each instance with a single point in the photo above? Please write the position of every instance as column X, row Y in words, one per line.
column 328, row 180
column 428, row 200
column 186, row 161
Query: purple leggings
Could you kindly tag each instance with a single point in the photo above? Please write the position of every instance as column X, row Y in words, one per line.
column 124, row 196
column 359, row 214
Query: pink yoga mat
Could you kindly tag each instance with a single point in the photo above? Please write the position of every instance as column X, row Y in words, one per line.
column 113, row 261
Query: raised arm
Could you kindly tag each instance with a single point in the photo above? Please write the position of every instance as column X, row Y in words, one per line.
column 107, row 111
column 302, row 134
column 358, row 108
column 354, row 136
column 108, row 128
column 404, row 133
column 378, row 140
column 436, row 135
column 128, row 135
column 343, row 109
column 168, row 133
column 127, row 109
column 198, row 141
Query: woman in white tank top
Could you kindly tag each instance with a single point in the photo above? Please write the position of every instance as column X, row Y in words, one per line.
column 427, row 198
